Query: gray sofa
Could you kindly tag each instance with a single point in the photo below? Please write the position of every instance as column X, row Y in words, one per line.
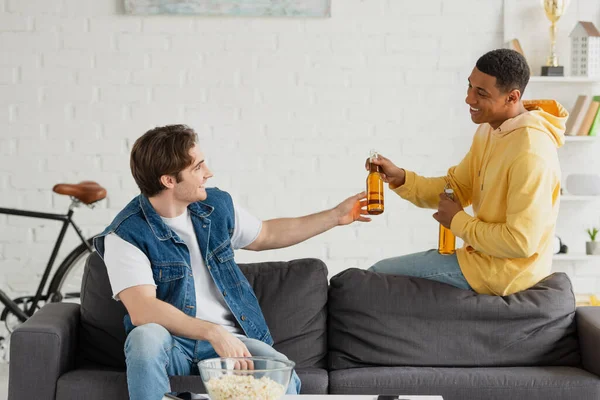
column 360, row 333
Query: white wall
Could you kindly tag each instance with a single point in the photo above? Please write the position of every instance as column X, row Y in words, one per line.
column 286, row 110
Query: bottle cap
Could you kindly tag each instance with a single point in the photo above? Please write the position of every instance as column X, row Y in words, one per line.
column 373, row 154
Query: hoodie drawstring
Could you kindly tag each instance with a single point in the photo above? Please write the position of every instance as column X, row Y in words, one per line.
column 484, row 160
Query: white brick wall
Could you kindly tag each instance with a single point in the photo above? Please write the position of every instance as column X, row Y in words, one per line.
column 287, row 110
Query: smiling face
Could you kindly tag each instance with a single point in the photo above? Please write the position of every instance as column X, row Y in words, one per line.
column 190, row 184
column 489, row 104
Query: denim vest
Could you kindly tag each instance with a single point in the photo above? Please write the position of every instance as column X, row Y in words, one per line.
column 213, row 220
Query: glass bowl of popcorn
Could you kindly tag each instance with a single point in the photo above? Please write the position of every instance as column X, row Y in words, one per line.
column 245, row 378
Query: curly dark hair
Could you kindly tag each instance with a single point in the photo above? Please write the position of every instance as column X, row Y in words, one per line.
column 161, row 151
column 508, row 66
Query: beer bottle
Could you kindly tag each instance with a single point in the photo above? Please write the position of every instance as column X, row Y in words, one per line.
column 374, row 187
column 447, row 240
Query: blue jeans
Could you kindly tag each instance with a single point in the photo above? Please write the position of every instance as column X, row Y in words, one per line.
column 152, row 355
column 428, row 264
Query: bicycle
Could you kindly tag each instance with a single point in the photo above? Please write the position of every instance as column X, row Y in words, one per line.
column 65, row 284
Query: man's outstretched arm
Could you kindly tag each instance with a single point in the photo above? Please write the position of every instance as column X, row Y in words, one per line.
column 284, row 232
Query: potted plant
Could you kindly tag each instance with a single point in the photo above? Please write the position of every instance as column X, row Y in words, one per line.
column 592, row 247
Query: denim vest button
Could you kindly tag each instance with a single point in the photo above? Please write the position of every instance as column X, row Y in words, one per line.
column 204, row 226
column 243, row 317
column 224, row 293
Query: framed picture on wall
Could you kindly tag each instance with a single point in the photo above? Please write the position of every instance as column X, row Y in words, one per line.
column 237, row 8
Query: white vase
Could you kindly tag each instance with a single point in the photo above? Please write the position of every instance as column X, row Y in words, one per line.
column 592, row 248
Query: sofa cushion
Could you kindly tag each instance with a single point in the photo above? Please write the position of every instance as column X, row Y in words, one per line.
column 391, row 320
column 94, row 382
column 531, row 383
column 293, row 298
column 298, row 328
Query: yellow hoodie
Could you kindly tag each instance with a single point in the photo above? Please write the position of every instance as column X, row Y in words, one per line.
column 511, row 176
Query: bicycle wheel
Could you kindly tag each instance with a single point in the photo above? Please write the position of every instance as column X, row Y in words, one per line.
column 66, row 282
column 11, row 321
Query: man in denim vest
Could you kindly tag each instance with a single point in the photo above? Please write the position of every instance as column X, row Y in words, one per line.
column 169, row 256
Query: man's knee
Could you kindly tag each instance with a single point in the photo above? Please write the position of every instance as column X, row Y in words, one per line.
column 381, row 267
column 295, row 385
column 147, row 341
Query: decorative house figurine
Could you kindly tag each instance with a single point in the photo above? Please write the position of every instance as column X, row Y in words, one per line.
column 585, row 50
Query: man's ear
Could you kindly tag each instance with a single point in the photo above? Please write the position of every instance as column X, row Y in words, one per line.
column 513, row 96
column 168, row 181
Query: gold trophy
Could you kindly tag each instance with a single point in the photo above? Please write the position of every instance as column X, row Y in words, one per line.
column 554, row 10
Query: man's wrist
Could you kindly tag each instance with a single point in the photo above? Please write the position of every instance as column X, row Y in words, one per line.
column 334, row 216
column 400, row 180
column 212, row 332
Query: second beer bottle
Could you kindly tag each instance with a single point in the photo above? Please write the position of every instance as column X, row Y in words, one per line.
column 447, row 240
column 374, row 187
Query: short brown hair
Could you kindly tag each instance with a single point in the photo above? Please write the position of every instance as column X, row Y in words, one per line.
column 164, row 150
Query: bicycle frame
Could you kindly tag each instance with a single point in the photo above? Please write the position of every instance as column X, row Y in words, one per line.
column 66, row 220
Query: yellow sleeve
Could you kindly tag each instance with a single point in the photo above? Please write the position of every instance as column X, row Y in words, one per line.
column 461, row 179
column 531, row 189
column 425, row 192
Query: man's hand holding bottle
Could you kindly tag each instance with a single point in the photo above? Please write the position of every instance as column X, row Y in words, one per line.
column 391, row 174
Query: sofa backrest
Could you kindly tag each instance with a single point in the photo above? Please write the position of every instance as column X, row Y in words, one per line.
column 388, row 320
column 293, row 298
column 102, row 333
column 292, row 295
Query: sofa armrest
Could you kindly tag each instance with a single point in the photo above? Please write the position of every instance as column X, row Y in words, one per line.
column 41, row 350
column 588, row 330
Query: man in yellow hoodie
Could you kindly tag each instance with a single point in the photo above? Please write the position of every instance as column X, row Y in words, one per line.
column 511, row 176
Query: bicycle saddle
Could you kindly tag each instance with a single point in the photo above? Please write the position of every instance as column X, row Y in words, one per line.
column 87, row 192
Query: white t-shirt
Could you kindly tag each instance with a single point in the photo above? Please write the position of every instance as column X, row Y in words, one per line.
column 128, row 266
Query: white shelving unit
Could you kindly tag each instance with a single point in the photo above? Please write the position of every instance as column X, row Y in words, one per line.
column 581, row 138
column 528, row 24
column 573, row 139
column 570, row 197
column 564, row 79
column 575, row 257
column 565, row 90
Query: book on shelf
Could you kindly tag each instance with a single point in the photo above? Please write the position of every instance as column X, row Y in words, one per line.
column 589, row 117
column 577, row 114
column 515, row 45
column 595, row 128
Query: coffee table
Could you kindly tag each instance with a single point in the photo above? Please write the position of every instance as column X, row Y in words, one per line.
column 355, row 397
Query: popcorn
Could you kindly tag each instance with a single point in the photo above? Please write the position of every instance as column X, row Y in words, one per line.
column 244, row 387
